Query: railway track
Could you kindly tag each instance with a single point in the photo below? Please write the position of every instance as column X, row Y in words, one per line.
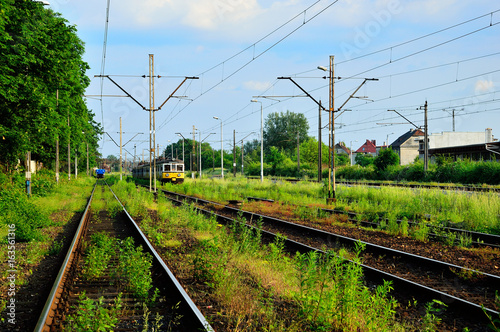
column 166, row 304
column 476, row 239
column 396, row 184
column 463, row 290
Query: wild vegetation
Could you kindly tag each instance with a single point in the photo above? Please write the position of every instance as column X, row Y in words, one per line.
column 475, row 211
column 40, row 220
column 443, row 171
column 258, row 287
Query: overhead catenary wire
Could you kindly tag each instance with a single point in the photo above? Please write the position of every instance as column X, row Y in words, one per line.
column 103, row 65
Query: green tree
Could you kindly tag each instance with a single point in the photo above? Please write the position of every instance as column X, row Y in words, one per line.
column 42, row 59
column 280, row 130
column 385, row 158
column 363, row 159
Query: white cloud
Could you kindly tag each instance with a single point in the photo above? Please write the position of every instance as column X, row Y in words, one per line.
column 257, row 86
column 484, row 85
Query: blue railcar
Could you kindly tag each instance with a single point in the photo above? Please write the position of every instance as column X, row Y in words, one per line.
column 99, row 173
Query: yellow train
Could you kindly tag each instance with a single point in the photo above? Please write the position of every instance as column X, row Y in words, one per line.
column 167, row 170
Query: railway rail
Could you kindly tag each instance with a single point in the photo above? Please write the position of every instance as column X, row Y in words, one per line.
column 69, row 285
column 477, row 239
column 423, row 278
column 397, row 184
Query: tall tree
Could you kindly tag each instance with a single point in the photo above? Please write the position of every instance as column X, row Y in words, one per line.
column 41, row 58
column 280, row 130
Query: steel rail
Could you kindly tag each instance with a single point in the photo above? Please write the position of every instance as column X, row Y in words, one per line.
column 478, row 239
column 472, row 310
column 197, row 320
column 396, row 184
column 45, row 319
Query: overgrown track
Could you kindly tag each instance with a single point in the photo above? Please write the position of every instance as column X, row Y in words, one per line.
column 174, row 305
column 396, row 184
column 415, row 276
column 477, row 239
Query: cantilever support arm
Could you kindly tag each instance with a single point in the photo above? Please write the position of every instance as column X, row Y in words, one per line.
column 307, row 93
column 172, row 94
column 401, row 115
column 128, row 94
column 132, row 138
column 359, row 87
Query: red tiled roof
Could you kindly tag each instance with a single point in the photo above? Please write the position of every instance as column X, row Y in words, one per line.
column 368, row 147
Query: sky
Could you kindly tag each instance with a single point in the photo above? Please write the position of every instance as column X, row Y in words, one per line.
column 445, row 52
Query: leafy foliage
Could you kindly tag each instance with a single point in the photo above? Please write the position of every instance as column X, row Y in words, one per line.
column 42, row 80
column 364, row 159
column 385, row 158
column 280, row 130
column 17, row 209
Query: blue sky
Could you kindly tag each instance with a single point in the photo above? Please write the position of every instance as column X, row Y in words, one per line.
column 224, row 43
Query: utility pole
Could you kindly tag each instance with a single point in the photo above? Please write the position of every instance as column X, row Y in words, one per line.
column 152, row 131
column 121, row 149
column 331, row 175
column 199, row 163
column 319, row 145
column 69, row 150
column 152, row 141
column 298, row 154
column 135, row 152
column 87, row 159
column 57, row 141
column 241, row 157
column 57, row 159
column 234, row 153
column 426, row 138
column 453, row 115
column 193, row 153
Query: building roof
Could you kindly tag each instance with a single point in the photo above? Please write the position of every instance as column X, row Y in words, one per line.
column 406, row 136
column 342, row 147
column 368, row 147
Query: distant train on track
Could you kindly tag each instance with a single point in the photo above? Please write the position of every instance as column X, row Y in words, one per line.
column 99, row 173
column 167, row 170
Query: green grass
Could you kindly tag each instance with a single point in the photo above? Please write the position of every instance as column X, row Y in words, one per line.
column 249, row 280
column 473, row 211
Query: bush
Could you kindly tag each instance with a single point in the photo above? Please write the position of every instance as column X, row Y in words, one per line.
column 15, row 208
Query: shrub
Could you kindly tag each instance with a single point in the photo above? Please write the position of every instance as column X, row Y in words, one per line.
column 16, row 208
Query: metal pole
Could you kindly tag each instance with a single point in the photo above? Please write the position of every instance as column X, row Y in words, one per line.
column 261, row 144
column 199, row 166
column 234, row 153
column 150, row 123
column 332, row 133
column 320, row 161
column 221, row 151
column 193, row 153
column 87, row 159
column 121, row 170
column 69, row 150
column 426, row 140
column 298, row 154
column 57, row 141
column 57, row 160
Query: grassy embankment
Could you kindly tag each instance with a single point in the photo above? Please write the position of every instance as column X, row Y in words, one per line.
column 258, row 287
column 474, row 211
column 32, row 228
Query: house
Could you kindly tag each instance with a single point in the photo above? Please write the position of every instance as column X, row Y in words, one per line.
column 407, row 146
column 340, row 148
column 369, row 147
